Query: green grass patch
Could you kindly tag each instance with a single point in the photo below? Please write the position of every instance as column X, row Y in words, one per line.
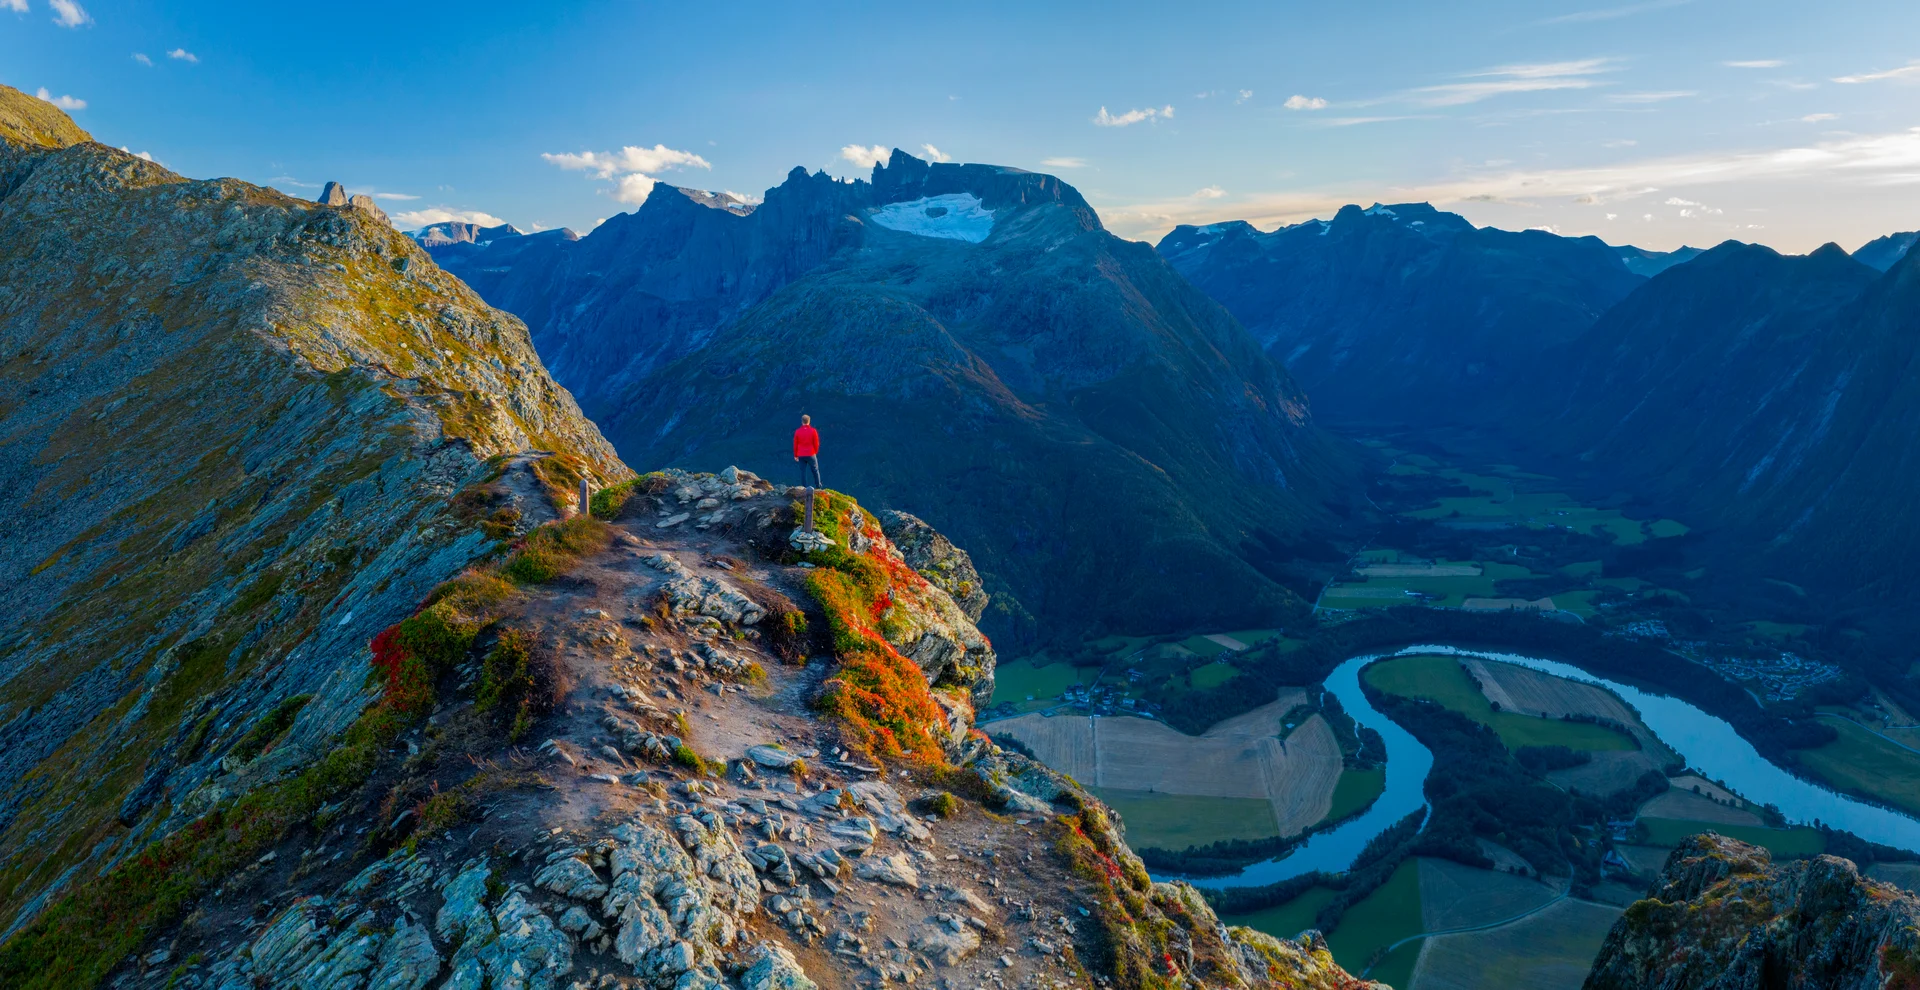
column 1355, row 790
column 1016, row 680
column 269, row 729
column 1390, row 913
column 1213, row 675
column 1777, row 630
column 1442, row 680
column 550, row 551
column 1861, row 761
column 1669, row 832
column 1176, row 821
column 1664, row 528
column 1289, row 919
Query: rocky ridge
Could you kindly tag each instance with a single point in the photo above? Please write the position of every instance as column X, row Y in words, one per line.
column 234, row 425
column 1723, row 915
column 688, row 821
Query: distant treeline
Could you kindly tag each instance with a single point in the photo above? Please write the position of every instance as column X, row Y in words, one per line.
column 1265, row 670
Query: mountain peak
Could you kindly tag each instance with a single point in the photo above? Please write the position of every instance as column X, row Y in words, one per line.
column 33, row 122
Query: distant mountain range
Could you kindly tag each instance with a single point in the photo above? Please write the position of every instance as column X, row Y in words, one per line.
column 1643, row 262
column 973, row 344
column 1402, row 313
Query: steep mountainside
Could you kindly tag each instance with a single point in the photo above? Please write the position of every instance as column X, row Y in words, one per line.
column 1722, row 916
column 974, row 346
column 1404, row 313
column 1775, row 399
column 1670, row 382
column 1883, row 252
column 230, row 425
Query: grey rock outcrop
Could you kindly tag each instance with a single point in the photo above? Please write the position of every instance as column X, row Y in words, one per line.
column 936, row 559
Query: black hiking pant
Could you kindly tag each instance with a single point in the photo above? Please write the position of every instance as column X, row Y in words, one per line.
column 810, row 464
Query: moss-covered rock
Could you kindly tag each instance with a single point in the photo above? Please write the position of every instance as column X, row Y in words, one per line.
column 1723, row 915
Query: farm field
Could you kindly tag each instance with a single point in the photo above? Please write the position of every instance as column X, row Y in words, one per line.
column 1645, row 860
column 1607, row 772
column 1530, row 692
column 1552, row 950
column 1285, row 920
column 1441, row 679
column 1688, row 806
column 1449, row 582
column 1176, row 821
column 1212, row 675
column 1015, row 681
column 1900, row 874
column 1242, row 757
column 1453, row 895
column 1859, row 760
column 1355, row 790
column 1389, row 914
column 1669, row 832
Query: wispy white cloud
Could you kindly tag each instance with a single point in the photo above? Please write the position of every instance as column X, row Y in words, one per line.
column 1755, row 63
column 605, row 165
column 415, row 219
column 1131, row 117
column 627, row 168
column 1245, row 95
column 137, row 56
column 935, row 154
column 1210, row 192
column 1610, row 13
column 1861, row 160
column 63, row 102
column 865, row 155
column 1299, row 102
column 1815, row 118
column 1064, row 162
column 1653, row 97
column 17, row 6
column 67, row 13
column 182, row 55
column 1619, row 143
column 288, row 180
column 393, row 196
column 1357, row 121
column 1909, row 71
column 143, row 155
column 1523, row 78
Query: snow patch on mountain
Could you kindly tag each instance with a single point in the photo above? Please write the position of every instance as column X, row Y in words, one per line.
column 954, row 216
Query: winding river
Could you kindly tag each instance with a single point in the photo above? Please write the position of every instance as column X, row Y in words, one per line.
column 1707, row 743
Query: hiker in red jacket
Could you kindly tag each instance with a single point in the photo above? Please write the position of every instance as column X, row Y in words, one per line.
column 806, row 451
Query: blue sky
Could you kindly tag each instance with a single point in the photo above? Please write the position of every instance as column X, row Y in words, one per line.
column 1657, row 122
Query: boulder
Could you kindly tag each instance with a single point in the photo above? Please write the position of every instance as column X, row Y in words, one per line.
column 894, row 869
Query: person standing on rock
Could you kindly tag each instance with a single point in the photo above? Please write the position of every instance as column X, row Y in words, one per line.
column 806, row 451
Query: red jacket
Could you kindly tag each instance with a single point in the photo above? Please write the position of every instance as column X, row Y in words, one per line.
column 806, row 442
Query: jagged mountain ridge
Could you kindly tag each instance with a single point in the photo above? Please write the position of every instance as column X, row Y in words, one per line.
column 1057, row 399
column 1883, row 253
column 1402, row 313
column 232, row 422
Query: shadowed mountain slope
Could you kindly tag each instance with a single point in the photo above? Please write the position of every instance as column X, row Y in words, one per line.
column 1403, row 313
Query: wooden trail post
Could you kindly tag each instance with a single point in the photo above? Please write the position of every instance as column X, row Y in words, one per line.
column 586, row 505
column 810, row 492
